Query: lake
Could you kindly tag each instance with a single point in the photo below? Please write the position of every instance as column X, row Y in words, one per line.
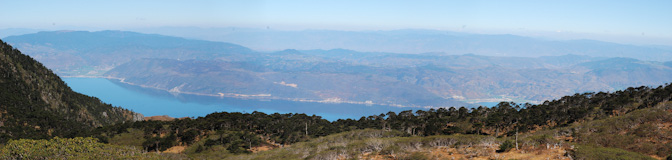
column 153, row 102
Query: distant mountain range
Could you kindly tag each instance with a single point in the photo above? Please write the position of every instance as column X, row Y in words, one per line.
column 417, row 41
column 406, row 41
column 340, row 75
column 72, row 53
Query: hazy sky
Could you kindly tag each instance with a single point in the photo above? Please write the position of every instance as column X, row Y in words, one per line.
column 650, row 20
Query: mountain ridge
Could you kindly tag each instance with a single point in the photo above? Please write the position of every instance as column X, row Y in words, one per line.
column 418, row 41
column 73, row 53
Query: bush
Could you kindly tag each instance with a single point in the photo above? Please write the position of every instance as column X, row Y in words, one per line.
column 542, row 139
column 66, row 148
column 391, row 150
column 133, row 137
column 237, row 147
column 506, row 146
column 646, row 130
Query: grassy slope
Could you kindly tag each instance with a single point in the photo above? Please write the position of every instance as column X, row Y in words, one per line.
column 630, row 136
column 638, row 134
column 641, row 134
column 647, row 131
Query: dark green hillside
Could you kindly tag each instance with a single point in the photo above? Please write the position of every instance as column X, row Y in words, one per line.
column 35, row 103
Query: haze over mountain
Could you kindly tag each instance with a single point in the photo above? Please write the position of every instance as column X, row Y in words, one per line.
column 6, row 32
column 341, row 75
column 416, row 41
column 74, row 53
column 406, row 41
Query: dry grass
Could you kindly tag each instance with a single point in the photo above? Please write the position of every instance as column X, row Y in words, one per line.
column 159, row 118
column 175, row 149
column 478, row 153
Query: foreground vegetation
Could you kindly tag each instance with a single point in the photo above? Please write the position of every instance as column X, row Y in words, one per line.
column 75, row 148
column 614, row 119
column 621, row 125
column 365, row 144
column 631, row 123
column 359, row 144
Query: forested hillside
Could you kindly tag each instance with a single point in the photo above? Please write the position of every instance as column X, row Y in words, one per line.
column 35, row 103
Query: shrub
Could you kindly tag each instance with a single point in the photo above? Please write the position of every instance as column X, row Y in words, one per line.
column 68, row 148
column 133, row 137
column 646, row 130
column 542, row 139
column 237, row 147
column 391, row 150
column 506, row 146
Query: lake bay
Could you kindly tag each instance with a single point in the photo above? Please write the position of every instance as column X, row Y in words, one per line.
column 153, row 102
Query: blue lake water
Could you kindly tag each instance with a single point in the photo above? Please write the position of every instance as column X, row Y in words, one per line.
column 152, row 102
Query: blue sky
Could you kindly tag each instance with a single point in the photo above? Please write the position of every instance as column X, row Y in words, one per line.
column 650, row 21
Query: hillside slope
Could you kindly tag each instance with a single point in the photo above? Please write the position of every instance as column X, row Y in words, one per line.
column 36, row 103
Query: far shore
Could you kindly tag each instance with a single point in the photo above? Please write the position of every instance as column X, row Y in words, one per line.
column 269, row 97
column 256, row 97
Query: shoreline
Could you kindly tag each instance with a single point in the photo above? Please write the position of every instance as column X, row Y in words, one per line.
column 327, row 101
column 252, row 97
